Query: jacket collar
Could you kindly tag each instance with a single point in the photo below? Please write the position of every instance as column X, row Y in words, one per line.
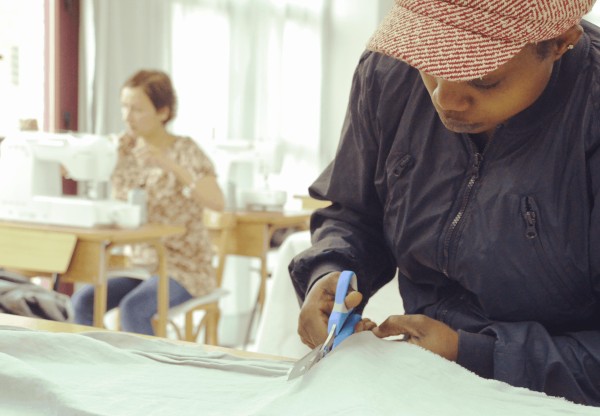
column 562, row 80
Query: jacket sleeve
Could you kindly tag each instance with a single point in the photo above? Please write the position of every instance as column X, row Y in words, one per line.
column 524, row 354
column 348, row 234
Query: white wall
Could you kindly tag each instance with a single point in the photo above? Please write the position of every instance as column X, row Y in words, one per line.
column 594, row 15
column 350, row 25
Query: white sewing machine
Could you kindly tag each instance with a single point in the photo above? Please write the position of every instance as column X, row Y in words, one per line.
column 31, row 181
column 246, row 166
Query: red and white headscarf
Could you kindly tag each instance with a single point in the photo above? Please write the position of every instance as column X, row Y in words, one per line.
column 460, row 40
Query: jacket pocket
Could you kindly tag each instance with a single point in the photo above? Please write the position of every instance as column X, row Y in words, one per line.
column 402, row 163
column 568, row 285
column 398, row 164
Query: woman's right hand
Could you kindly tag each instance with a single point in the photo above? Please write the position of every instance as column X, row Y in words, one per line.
column 315, row 311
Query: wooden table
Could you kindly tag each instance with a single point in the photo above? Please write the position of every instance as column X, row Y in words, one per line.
column 81, row 255
column 309, row 203
column 64, row 327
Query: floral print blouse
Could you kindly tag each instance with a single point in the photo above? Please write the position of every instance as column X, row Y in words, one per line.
column 189, row 255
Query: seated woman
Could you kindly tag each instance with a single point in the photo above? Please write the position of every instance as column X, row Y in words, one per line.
column 179, row 181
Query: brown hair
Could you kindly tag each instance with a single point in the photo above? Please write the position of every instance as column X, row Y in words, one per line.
column 158, row 87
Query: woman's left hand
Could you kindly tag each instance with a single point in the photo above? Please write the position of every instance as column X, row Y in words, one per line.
column 424, row 331
column 154, row 156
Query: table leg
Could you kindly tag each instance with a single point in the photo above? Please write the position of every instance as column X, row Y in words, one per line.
column 100, row 297
column 262, row 290
column 163, row 290
column 256, row 312
column 267, row 235
column 100, row 290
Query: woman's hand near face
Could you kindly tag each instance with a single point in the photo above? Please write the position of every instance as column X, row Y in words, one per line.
column 153, row 156
column 421, row 330
column 205, row 190
column 315, row 311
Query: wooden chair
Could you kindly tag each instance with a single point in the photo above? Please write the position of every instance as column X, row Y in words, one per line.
column 220, row 226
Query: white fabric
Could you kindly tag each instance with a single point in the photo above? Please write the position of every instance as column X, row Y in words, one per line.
column 277, row 330
column 105, row 373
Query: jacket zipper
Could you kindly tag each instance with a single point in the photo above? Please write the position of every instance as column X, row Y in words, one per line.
column 461, row 211
column 530, row 219
column 530, row 212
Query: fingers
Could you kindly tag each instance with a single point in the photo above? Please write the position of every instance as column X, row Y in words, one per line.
column 311, row 335
column 365, row 324
column 312, row 321
column 353, row 299
column 312, row 326
column 423, row 331
column 314, row 314
column 148, row 152
column 315, row 311
column 408, row 325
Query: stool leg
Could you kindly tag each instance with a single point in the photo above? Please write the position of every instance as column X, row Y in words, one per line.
column 189, row 326
column 118, row 319
column 212, row 325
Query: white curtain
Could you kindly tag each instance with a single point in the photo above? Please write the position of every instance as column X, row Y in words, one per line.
column 243, row 69
column 117, row 37
column 21, row 63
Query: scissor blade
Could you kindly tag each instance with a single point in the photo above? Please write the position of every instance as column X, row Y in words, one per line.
column 305, row 363
column 309, row 360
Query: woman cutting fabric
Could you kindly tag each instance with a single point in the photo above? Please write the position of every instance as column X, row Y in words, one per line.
column 179, row 181
column 469, row 164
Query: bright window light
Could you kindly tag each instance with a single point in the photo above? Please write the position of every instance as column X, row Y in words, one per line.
column 22, row 63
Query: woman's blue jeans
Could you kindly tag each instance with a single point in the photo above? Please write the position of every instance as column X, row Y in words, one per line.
column 135, row 298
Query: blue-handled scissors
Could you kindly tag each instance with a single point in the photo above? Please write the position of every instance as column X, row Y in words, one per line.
column 340, row 326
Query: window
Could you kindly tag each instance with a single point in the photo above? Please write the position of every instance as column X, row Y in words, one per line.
column 252, row 72
column 201, row 69
column 22, row 63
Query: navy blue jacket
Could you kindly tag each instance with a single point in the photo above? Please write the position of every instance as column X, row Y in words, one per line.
column 502, row 245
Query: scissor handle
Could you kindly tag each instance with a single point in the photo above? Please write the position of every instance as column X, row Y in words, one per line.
column 343, row 317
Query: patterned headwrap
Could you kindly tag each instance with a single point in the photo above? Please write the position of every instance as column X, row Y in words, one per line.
column 460, row 40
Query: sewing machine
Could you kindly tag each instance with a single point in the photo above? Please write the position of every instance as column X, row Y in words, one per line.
column 247, row 167
column 31, row 171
